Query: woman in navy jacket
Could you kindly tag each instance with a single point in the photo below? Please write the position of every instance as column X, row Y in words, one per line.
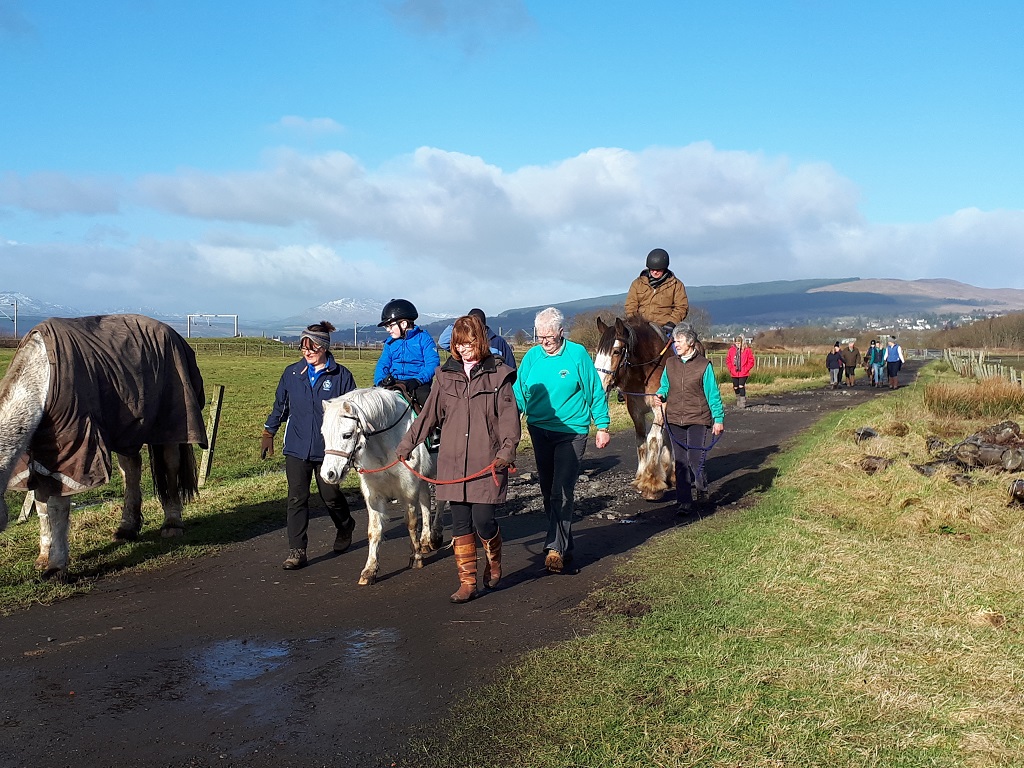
column 301, row 393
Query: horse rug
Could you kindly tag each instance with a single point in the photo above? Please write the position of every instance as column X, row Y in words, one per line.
column 117, row 382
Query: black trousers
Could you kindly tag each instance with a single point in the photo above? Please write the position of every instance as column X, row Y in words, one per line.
column 687, row 447
column 299, row 472
column 467, row 517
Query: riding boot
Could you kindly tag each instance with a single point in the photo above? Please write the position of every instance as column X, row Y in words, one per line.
column 492, row 560
column 465, row 561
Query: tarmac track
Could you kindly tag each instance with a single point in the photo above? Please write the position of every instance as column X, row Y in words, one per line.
column 230, row 661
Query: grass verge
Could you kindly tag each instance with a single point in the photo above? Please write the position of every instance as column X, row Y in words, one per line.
column 846, row 619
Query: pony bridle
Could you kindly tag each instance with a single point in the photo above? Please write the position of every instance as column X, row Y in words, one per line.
column 618, row 346
column 350, row 455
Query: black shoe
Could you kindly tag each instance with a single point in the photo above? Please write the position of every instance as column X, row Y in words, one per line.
column 684, row 508
column 344, row 538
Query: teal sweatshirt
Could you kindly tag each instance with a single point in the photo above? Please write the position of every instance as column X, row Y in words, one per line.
column 710, row 392
column 561, row 392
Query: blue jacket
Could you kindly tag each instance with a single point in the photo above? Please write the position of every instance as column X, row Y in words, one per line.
column 498, row 345
column 414, row 357
column 301, row 404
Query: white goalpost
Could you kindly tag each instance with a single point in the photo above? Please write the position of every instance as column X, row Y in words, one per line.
column 199, row 316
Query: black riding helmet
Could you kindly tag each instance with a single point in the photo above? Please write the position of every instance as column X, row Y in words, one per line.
column 658, row 259
column 397, row 309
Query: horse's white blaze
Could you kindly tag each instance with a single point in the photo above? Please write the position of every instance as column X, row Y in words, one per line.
column 366, row 426
column 603, row 363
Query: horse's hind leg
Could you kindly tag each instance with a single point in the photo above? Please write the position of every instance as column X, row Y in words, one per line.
column 131, row 509
column 54, row 520
column 374, row 533
column 166, row 461
column 27, row 506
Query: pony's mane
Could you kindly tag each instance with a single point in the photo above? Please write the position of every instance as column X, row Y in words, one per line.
column 636, row 327
column 377, row 406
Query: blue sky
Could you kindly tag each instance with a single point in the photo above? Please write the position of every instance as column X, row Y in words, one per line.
column 264, row 157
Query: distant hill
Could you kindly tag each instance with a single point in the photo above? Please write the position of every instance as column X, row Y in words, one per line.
column 749, row 305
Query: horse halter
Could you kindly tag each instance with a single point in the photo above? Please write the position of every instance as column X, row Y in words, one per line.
column 619, row 345
column 350, row 455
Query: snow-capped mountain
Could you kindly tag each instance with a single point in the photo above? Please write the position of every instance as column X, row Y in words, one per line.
column 34, row 307
column 347, row 312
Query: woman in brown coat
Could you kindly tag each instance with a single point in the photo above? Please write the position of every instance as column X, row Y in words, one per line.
column 473, row 404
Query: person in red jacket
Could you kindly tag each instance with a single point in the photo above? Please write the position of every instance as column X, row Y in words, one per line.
column 740, row 362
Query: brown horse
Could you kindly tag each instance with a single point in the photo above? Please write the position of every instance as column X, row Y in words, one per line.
column 631, row 357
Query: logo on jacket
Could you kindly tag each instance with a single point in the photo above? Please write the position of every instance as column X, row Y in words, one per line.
column 563, row 373
column 327, row 385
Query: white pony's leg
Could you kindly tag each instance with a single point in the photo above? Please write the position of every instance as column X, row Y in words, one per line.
column 58, row 516
column 429, row 522
column 376, row 513
column 131, row 509
column 412, row 522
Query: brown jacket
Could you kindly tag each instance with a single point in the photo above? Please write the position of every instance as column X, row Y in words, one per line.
column 851, row 357
column 662, row 305
column 479, row 422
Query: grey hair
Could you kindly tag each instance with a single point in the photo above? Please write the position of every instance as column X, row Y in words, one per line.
column 549, row 319
column 683, row 331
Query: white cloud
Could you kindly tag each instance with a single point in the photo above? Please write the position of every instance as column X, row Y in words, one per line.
column 448, row 229
column 56, row 194
column 315, row 126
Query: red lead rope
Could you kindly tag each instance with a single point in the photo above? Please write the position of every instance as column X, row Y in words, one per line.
column 489, row 468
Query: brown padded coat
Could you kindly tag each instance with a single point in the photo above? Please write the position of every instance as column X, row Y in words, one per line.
column 479, row 422
column 662, row 305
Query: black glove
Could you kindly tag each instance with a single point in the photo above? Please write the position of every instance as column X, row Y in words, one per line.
column 411, row 384
column 266, row 444
column 662, row 398
column 387, row 382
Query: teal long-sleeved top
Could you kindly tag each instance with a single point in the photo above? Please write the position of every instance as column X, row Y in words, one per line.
column 710, row 384
column 561, row 392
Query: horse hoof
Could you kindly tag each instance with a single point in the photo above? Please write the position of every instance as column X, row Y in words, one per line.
column 366, row 579
column 56, row 575
column 122, row 535
column 172, row 532
column 41, row 563
column 416, row 562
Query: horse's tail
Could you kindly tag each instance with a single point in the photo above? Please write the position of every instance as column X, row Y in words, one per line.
column 186, row 473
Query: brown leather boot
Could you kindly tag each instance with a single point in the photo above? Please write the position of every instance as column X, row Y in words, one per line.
column 465, row 560
column 492, row 560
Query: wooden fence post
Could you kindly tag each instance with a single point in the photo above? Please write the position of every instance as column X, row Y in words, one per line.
column 212, row 423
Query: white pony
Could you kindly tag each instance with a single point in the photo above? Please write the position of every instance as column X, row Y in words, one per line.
column 63, row 411
column 361, row 430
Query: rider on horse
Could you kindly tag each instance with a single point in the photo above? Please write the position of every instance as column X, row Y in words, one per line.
column 409, row 357
column 657, row 295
